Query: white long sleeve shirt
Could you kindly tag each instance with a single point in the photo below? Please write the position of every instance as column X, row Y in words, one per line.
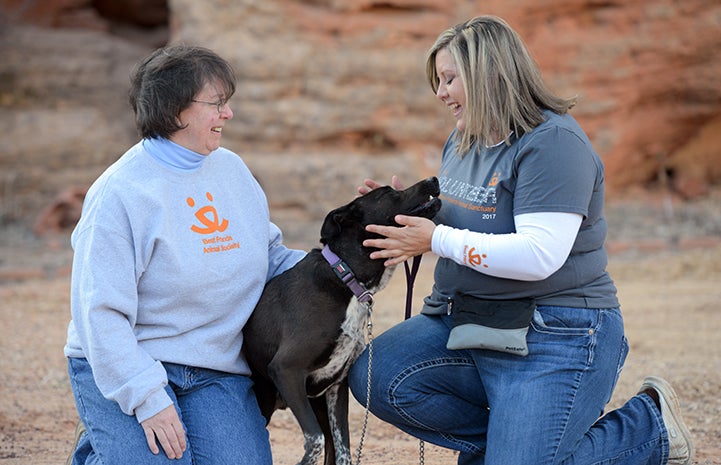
column 537, row 249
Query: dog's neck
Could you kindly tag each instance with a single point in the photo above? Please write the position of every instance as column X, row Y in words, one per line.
column 345, row 274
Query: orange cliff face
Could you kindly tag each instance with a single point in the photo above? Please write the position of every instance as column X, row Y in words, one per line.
column 347, row 76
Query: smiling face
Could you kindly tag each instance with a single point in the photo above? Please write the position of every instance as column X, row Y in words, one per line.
column 203, row 122
column 450, row 86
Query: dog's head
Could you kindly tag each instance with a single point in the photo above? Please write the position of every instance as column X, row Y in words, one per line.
column 344, row 228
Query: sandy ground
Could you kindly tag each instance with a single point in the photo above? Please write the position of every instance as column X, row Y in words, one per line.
column 669, row 297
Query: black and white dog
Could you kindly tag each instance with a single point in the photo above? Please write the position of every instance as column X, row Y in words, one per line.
column 309, row 325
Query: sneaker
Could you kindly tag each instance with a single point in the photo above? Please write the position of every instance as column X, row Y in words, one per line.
column 679, row 438
column 79, row 431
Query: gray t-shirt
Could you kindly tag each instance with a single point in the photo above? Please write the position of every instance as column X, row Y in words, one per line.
column 553, row 168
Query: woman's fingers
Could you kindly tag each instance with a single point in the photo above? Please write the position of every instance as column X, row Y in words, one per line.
column 369, row 185
column 165, row 428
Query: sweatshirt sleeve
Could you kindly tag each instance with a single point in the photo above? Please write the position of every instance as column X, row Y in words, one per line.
column 104, row 304
column 280, row 258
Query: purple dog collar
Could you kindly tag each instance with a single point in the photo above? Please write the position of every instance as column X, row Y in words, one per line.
column 343, row 271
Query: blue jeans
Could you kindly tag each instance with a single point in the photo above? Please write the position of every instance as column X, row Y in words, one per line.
column 219, row 411
column 503, row 409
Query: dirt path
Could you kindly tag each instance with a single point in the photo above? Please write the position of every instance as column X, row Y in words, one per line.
column 670, row 301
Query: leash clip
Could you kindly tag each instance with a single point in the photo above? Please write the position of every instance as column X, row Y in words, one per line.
column 367, row 298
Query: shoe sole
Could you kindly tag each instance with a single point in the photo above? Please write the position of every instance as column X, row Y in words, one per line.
column 669, row 396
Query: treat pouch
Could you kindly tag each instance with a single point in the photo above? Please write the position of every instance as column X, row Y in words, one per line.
column 499, row 325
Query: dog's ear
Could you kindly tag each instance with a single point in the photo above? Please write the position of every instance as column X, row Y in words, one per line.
column 333, row 223
column 337, row 219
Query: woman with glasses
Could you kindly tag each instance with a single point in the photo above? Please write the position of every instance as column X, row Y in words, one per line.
column 171, row 254
column 520, row 343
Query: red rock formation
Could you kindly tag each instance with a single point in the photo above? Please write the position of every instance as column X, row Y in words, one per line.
column 337, row 78
column 145, row 13
column 53, row 13
column 646, row 72
column 62, row 213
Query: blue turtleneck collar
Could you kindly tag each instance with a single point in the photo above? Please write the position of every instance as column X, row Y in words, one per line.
column 173, row 155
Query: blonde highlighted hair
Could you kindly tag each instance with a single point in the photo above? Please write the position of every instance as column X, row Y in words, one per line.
column 503, row 85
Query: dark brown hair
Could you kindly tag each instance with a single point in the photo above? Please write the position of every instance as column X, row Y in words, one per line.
column 166, row 82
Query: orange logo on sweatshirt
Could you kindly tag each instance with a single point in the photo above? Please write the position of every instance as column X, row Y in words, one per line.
column 208, row 217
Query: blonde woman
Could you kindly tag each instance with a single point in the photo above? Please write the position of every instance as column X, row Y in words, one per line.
column 520, row 342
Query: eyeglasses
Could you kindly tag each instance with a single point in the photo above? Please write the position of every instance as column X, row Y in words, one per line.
column 220, row 104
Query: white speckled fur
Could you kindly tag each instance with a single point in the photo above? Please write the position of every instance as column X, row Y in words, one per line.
column 350, row 345
column 352, row 338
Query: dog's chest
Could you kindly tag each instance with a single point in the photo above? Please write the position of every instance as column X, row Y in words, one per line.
column 351, row 341
column 348, row 346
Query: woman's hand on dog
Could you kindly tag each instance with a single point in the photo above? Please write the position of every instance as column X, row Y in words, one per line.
column 399, row 244
column 369, row 185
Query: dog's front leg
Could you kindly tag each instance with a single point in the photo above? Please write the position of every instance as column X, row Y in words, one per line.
column 337, row 400
column 320, row 408
column 291, row 386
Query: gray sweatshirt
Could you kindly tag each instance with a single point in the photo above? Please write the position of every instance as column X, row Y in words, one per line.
column 170, row 257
